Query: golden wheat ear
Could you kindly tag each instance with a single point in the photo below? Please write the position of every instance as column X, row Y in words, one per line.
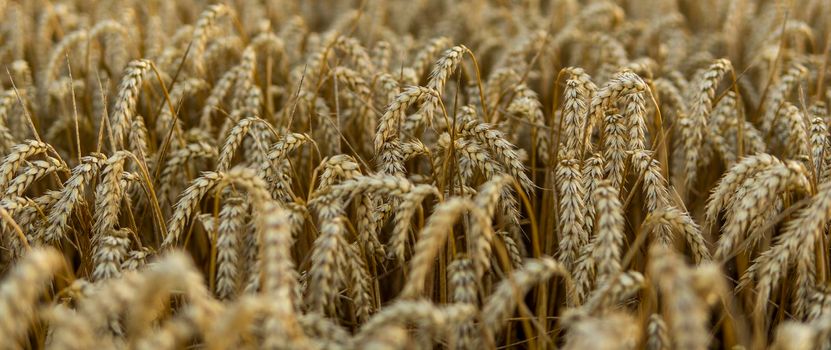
column 21, row 289
column 673, row 279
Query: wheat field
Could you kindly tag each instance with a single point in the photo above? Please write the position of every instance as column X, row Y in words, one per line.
column 420, row 174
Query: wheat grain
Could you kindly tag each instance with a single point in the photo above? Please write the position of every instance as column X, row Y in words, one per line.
column 382, row 55
column 500, row 148
column 328, row 256
column 819, row 139
column 623, row 84
column 462, row 279
column 492, row 193
column 110, row 250
column 527, row 105
column 214, row 99
column 593, row 170
column 577, row 96
column 424, row 57
column 795, row 244
column 819, row 302
column 279, row 272
column 513, row 248
column 391, row 120
column 113, row 241
column 233, row 140
column 187, row 203
column 424, row 313
column 794, row 134
column 355, row 51
column 361, row 291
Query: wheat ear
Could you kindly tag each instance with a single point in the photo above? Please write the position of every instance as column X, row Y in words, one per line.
column 500, row 305
column 230, row 229
column 572, row 211
column 407, row 208
column 16, row 158
column 462, row 278
column 657, row 334
column 125, row 105
column 72, row 194
column 433, row 236
column 758, row 193
column 674, row 219
column 609, row 236
column 34, row 172
column 21, row 289
column 723, row 194
column 112, row 243
column 688, row 326
column 613, row 330
column 615, row 149
column 428, row 315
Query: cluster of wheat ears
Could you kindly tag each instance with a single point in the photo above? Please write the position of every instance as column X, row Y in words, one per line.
column 415, row 174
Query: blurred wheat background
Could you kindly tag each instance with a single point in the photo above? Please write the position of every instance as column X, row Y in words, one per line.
column 471, row 174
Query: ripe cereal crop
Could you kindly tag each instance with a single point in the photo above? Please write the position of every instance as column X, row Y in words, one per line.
column 428, row 174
